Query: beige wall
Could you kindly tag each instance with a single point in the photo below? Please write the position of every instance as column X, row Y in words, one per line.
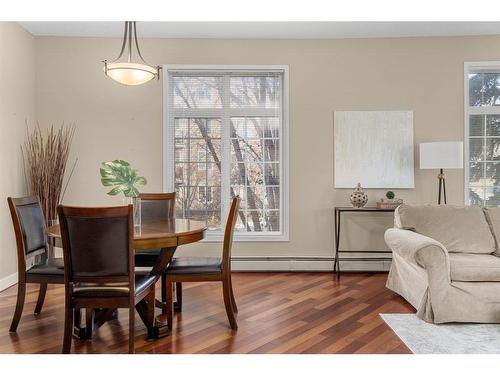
column 17, row 104
column 113, row 121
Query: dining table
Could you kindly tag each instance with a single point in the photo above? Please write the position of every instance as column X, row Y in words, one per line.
column 151, row 234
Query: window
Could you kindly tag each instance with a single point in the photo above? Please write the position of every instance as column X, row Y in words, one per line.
column 204, row 194
column 226, row 135
column 482, row 133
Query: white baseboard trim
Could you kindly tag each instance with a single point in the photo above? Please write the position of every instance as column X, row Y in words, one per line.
column 277, row 264
column 303, row 264
column 8, row 281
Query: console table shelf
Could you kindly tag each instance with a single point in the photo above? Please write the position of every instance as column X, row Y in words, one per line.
column 338, row 212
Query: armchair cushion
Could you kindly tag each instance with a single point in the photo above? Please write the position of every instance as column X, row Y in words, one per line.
column 459, row 229
column 474, row 267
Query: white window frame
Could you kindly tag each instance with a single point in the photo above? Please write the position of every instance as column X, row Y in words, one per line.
column 168, row 148
column 474, row 66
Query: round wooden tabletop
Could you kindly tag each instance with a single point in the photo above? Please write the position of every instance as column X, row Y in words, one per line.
column 158, row 234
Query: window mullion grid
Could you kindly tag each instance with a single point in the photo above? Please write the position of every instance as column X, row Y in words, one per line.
column 225, row 151
column 225, row 113
column 170, row 136
column 187, row 212
column 483, row 112
column 197, row 112
column 484, row 158
column 207, row 124
column 281, row 158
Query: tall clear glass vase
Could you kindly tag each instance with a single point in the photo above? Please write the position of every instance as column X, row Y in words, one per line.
column 136, row 202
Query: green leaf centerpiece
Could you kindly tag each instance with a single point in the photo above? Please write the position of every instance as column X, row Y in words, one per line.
column 123, row 178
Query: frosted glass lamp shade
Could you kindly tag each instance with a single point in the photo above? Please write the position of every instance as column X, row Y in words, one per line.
column 441, row 155
column 130, row 73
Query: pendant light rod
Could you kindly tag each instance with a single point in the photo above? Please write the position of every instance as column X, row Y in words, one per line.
column 129, row 32
column 129, row 41
column 125, row 35
column 137, row 44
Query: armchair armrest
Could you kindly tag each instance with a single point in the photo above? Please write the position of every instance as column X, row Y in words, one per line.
column 417, row 248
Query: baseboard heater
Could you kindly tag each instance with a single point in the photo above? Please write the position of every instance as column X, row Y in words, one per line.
column 305, row 264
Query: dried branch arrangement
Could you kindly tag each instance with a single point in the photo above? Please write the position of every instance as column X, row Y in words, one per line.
column 45, row 155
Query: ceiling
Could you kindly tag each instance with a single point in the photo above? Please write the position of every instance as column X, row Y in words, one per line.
column 265, row 30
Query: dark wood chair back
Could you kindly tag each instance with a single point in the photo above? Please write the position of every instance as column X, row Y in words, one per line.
column 228, row 234
column 29, row 227
column 98, row 244
column 157, row 206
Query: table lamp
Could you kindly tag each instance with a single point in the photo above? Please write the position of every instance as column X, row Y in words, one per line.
column 441, row 155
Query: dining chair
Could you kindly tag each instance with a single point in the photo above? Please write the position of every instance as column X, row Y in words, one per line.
column 155, row 207
column 207, row 269
column 31, row 241
column 98, row 253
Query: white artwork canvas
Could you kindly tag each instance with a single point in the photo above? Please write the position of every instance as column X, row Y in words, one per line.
column 374, row 148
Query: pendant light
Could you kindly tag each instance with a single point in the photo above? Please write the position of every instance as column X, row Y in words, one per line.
column 128, row 72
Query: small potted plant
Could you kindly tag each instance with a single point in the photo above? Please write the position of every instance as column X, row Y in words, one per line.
column 124, row 179
column 390, row 196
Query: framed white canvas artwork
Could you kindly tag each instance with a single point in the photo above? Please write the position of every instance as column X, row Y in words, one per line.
column 374, row 148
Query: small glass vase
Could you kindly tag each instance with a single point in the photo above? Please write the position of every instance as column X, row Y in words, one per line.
column 136, row 202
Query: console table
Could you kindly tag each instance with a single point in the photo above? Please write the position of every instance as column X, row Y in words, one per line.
column 338, row 212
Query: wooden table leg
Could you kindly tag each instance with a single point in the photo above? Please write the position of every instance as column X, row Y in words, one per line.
column 79, row 332
column 102, row 316
column 160, row 325
column 93, row 320
column 146, row 310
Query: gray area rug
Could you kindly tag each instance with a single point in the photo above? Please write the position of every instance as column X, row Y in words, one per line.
column 452, row 338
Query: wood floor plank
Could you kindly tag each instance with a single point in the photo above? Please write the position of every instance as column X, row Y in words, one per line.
column 278, row 313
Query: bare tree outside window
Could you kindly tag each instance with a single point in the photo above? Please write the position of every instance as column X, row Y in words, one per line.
column 250, row 106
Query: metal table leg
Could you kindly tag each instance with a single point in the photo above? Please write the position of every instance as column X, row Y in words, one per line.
column 336, row 264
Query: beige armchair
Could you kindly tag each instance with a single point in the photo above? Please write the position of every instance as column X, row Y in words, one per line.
column 445, row 262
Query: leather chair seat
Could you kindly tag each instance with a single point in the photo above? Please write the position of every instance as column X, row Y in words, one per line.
column 54, row 266
column 113, row 289
column 185, row 265
column 146, row 258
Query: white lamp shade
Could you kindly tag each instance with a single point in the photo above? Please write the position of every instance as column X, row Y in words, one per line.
column 441, row 155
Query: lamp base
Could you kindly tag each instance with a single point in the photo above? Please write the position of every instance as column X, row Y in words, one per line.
column 442, row 186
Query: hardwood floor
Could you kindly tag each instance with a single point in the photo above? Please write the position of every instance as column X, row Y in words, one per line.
column 278, row 313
